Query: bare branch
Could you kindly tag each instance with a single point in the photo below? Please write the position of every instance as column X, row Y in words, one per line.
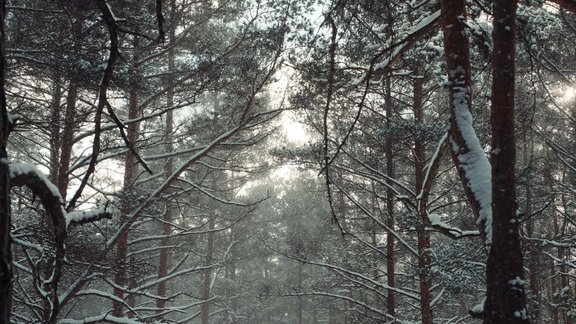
column 110, row 21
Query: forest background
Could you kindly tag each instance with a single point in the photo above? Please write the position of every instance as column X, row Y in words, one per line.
column 250, row 161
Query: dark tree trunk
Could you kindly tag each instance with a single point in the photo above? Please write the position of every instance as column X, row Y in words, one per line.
column 424, row 259
column 67, row 139
column 457, row 52
column 5, row 253
column 168, row 167
column 55, row 136
column 505, row 293
column 130, row 174
column 534, row 265
column 390, row 222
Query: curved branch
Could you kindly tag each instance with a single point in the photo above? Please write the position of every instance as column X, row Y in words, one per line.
column 110, row 21
column 26, row 175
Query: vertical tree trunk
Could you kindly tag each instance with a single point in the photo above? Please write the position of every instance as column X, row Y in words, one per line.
column 300, row 298
column 55, row 139
column 5, row 252
column 69, row 126
column 67, row 139
column 424, row 259
column 505, row 294
column 534, row 265
column 164, row 258
column 532, row 247
column 231, row 273
column 130, row 174
column 390, row 222
column 467, row 153
column 564, row 254
column 207, row 285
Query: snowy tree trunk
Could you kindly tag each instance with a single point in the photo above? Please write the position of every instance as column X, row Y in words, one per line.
column 5, row 252
column 467, row 153
column 505, row 294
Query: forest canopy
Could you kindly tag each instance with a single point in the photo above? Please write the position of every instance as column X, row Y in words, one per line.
column 261, row 161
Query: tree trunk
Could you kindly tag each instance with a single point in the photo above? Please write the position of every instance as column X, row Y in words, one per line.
column 69, row 127
column 231, row 275
column 424, row 259
column 164, row 258
column 130, row 174
column 533, row 247
column 390, row 222
column 207, row 285
column 534, row 265
column 300, row 298
column 67, row 139
column 564, row 254
column 5, row 252
column 505, row 293
column 55, row 139
column 467, row 153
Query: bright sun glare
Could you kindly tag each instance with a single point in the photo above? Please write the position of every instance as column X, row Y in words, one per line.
column 569, row 94
column 295, row 132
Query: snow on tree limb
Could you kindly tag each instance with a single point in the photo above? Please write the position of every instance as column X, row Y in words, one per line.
column 27, row 175
column 101, row 318
column 473, row 166
column 22, row 174
column 87, row 216
column 438, row 225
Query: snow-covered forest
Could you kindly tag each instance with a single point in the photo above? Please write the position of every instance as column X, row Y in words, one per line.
column 287, row 161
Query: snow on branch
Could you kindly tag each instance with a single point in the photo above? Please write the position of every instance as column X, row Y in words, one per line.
column 453, row 232
column 27, row 175
column 87, row 216
column 425, row 26
column 101, row 318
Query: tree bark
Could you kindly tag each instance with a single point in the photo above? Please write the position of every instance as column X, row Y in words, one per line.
column 67, row 139
column 467, row 153
column 207, row 285
column 301, row 303
column 424, row 259
column 164, row 258
column 505, row 293
column 69, row 127
column 390, row 222
column 55, row 139
column 130, row 174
